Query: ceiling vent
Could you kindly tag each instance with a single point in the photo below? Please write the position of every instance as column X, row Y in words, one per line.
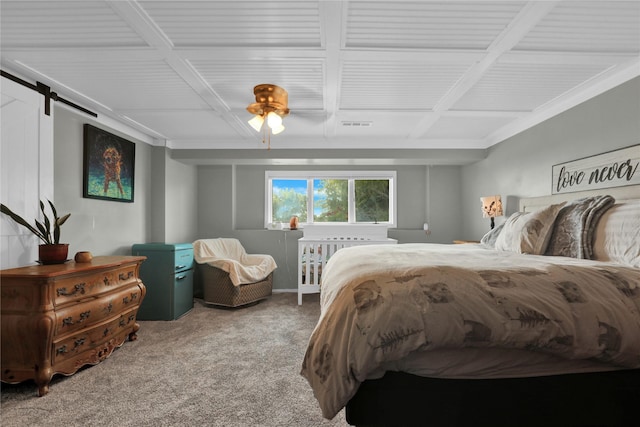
column 357, row 124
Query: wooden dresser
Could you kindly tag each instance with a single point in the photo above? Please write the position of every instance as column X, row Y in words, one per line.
column 58, row 318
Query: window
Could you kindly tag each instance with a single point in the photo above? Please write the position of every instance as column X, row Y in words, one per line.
column 331, row 197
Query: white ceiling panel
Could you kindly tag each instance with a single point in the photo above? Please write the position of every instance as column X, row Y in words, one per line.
column 197, row 124
column 360, row 74
column 376, row 124
column 434, row 25
column 395, row 85
column 587, row 26
column 466, row 127
column 122, row 84
column 237, row 23
column 306, row 125
column 48, row 24
column 524, row 87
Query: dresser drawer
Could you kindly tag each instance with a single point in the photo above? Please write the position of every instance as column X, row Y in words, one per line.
column 183, row 259
column 76, row 288
column 94, row 310
column 163, row 258
column 57, row 318
column 88, row 339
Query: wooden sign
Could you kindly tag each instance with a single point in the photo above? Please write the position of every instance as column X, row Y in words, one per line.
column 613, row 169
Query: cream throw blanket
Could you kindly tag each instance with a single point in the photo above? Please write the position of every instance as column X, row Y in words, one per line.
column 229, row 256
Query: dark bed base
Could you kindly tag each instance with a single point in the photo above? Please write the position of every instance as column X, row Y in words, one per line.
column 594, row 399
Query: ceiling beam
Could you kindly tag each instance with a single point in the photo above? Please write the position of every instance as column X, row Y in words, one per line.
column 527, row 19
column 332, row 37
column 139, row 20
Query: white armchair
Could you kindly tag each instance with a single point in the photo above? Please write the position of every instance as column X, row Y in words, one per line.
column 230, row 277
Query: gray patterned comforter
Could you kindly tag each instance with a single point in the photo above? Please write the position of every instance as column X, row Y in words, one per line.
column 380, row 303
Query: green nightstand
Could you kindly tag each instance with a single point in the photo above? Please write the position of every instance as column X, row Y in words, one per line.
column 168, row 275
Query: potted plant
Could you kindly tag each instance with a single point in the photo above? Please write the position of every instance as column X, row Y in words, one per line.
column 52, row 251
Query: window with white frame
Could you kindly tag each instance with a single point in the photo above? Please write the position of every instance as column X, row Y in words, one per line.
column 357, row 197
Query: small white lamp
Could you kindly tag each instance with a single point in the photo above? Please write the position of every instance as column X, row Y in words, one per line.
column 491, row 208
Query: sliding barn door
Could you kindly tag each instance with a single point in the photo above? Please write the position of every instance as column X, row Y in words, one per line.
column 26, row 168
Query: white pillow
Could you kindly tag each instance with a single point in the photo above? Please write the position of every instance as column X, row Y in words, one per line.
column 528, row 233
column 490, row 238
column 617, row 235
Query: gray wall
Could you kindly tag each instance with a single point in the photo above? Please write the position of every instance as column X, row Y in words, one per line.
column 174, row 199
column 231, row 204
column 175, row 202
column 521, row 166
column 110, row 228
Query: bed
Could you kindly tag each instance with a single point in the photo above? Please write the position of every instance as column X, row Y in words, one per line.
column 482, row 334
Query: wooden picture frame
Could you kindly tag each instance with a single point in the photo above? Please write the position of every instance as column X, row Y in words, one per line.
column 109, row 166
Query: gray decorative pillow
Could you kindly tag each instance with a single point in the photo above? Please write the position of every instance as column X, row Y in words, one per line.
column 490, row 238
column 572, row 233
column 528, row 233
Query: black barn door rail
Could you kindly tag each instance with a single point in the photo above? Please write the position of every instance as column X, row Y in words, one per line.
column 46, row 92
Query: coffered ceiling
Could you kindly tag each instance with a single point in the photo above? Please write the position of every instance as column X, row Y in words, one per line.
column 360, row 74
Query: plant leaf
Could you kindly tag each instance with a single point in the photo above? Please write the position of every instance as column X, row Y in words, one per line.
column 18, row 219
column 47, row 223
column 63, row 219
column 42, row 229
column 53, row 209
column 44, row 234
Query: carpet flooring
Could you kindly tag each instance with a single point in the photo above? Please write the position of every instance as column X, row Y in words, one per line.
column 212, row 367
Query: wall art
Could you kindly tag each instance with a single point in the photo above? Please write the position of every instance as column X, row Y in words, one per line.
column 612, row 169
column 109, row 166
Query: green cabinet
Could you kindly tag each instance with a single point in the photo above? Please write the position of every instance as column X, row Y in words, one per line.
column 168, row 275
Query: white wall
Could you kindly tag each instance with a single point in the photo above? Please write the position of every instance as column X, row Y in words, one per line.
column 26, row 157
column 521, row 166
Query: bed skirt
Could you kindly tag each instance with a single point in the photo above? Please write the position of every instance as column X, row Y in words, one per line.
column 591, row 399
column 216, row 288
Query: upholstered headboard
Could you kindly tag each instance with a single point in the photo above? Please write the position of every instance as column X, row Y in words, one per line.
column 621, row 194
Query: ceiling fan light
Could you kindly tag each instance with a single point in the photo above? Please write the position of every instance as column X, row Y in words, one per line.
column 277, row 130
column 274, row 120
column 256, row 122
column 271, row 106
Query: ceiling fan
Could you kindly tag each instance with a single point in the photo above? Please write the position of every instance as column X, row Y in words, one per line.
column 270, row 107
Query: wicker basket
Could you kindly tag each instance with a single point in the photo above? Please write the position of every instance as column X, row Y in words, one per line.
column 217, row 288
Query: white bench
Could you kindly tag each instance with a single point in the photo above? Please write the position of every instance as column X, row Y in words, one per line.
column 320, row 242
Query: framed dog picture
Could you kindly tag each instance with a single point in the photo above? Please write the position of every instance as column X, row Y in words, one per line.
column 109, row 163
